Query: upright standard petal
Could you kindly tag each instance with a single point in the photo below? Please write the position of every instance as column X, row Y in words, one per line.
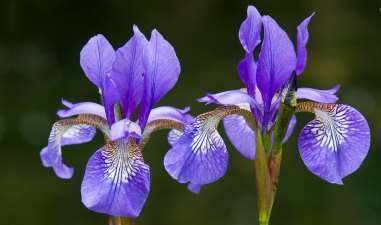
column 199, row 156
column 110, row 98
column 316, row 95
column 116, row 181
column 127, row 72
column 250, row 30
column 233, row 97
column 241, row 135
column 302, row 40
column 247, row 69
column 64, row 134
column 276, row 62
column 162, row 69
column 335, row 143
column 96, row 59
column 81, row 108
column 249, row 36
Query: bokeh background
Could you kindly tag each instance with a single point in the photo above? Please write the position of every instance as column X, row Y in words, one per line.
column 40, row 43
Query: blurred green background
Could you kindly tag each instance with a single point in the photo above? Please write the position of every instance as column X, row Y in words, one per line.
column 40, row 43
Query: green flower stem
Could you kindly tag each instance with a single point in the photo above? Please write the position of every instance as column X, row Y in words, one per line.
column 266, row 174
column 117, row 220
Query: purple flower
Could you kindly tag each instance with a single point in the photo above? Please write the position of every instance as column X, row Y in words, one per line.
column 332, row 146
column 131, row 80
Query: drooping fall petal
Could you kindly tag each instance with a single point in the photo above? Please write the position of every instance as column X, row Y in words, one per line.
column 116, row 181
column 335, row 143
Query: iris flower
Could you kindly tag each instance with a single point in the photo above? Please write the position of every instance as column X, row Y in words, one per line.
column 131, row 81
column 259, row 118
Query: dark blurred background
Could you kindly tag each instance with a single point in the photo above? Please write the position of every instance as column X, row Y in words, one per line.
column 40, row 43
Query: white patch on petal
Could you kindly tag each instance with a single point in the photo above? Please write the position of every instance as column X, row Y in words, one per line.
column 173, row 136
column 122, row 161
column 206, row 137
column 331, row 127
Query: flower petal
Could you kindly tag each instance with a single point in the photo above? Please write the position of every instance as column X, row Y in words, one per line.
column 125, row 128
column 241, row 135
column 81, row 108
column 162, row 69
column 323, row 96
column 169, row 113
column 64, row 134
column 247, row 69
column 116, row 181
column 302, row 40
column 78, row 134
column 250, row 30
column 249, row 36
column 290, row 129
column 276, row 62
column 233, row 97
column 127, row 72
column 96, row 59
column 199, row 156
column 335, row 143
column 173, row 136
column 110, row 97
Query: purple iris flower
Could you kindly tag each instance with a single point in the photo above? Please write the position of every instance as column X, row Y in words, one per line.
column 332, row 146
column 131, row 81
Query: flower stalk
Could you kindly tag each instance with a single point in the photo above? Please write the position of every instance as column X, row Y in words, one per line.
column 117, row 220
column 266, row 174
column 268, row 161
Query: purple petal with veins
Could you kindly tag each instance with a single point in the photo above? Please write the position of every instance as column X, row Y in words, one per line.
column 61, row 135
column 335, row 143
column 199, row 156
column 96, row 59
column 127, row 72
column 116, row 181
column 162, row 69
column 276, row 63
